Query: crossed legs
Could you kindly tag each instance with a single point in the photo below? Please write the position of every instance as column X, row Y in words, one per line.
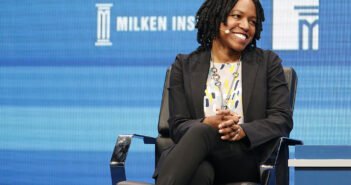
column 201, row 157
column 185, row 158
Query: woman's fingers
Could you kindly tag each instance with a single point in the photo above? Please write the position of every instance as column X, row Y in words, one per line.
column 225, row 131
column 227, row 123
column 235, row 118
column 227, row 114
column 228, row 136
column 233, row 133
column 213, row 121
column 226, row 127
column 223, row 112
column 239, row 134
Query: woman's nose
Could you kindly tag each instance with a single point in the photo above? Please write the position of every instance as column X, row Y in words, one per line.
column 244, row 24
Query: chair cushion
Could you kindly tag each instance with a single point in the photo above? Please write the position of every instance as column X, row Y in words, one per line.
column 132, row 183
column 141, row 183
column 242, row 183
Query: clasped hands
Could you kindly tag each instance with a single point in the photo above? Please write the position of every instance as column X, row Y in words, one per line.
column 227, row 124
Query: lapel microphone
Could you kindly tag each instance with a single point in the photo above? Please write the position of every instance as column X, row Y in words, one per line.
column 227, row 31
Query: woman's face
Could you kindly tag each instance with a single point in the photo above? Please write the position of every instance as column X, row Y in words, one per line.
column 241, row 26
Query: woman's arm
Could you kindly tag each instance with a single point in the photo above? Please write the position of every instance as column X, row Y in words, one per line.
column 180, row 118
column 278, row 121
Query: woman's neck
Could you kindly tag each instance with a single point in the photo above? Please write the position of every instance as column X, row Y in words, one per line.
column 220, row 54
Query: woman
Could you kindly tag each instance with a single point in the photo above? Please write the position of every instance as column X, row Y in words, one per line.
column 227, row 99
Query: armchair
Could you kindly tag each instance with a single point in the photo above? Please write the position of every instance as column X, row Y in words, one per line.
column 274, row 170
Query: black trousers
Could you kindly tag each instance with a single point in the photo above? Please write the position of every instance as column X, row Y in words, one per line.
column 202, row 158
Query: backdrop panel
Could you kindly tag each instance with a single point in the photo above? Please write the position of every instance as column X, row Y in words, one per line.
column 75, row 74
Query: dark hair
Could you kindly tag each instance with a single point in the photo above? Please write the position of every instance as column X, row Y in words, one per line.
column 214, row 12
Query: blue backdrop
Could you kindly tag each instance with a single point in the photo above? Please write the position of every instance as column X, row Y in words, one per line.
column 75, row 74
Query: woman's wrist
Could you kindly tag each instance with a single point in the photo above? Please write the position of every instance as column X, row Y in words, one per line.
column 205, row 121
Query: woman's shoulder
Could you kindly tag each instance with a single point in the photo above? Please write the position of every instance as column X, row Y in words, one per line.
column 191, row 57
column 263, row 56
column 263, row 52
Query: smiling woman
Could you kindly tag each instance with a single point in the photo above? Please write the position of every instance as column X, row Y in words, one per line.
column 63, row 99
column 240, row 29
column 227, row 99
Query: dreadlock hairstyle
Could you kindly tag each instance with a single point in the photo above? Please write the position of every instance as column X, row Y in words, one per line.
column 214, row 12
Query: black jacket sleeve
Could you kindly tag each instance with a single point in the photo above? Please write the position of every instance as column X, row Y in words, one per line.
column 180, row 118
column 278, row 120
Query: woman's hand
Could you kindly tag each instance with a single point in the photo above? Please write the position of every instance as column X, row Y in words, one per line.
column 213, row 121
column 229, row 128
column 231, row 132
column 221, row 115
column 227, row 124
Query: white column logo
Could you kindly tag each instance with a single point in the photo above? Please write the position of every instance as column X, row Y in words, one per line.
column 295, row 24
column 103, row 24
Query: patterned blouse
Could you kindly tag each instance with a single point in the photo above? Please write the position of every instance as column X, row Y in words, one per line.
column 214, row 100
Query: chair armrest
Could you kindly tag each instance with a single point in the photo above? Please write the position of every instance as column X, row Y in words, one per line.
column 267, row 170
column 290, row 141
column 277, row 147
column 120, row 153
column 284, row 141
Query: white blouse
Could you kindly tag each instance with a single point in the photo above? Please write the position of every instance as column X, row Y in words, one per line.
column 213, row 98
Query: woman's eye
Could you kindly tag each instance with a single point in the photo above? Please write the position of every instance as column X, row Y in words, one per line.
column 235, row 16
column 253, row 22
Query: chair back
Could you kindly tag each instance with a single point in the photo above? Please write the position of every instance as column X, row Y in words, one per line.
column 291, row 79
column 163, row 140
